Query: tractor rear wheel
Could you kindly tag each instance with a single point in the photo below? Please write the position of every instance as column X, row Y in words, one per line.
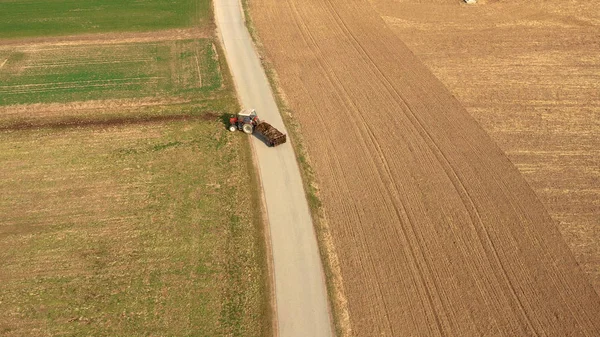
column 248, row 128
column 232, row 128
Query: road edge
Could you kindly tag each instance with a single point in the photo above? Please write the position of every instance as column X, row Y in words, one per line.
column 338, row 308
column 268, row 315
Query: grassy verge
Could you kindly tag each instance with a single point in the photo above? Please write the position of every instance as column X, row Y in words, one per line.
column 328, row 257
column 28, row 18
column 263, row 310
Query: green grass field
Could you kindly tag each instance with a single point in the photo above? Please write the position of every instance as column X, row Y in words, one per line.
column 29, row 18
column 127, row 208
column 139, row 229
column 91, row 72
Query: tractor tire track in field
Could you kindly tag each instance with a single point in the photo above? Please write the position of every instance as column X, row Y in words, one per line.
column 437, row 232
column 113, row 121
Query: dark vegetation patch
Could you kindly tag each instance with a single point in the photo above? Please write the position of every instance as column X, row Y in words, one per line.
column 115, row 121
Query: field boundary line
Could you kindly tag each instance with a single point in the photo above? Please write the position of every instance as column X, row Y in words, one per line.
column 103, row 122
column 108, row 81
column 198, row 68
column 3, row 63
column 50, row 88
column 109, row 38
column 63, row 64
column 62, row 46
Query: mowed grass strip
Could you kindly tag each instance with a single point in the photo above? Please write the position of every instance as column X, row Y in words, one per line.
column 91, row 72
column 129, row 230
column 28, row 18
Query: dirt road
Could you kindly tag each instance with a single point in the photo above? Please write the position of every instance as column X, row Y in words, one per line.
column 436, row 230
column 300, row 293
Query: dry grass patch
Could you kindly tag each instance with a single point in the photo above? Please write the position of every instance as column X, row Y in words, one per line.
column 143, row 229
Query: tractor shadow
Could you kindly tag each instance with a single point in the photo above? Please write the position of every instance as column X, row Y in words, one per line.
column 224, row 118
column 262, row 138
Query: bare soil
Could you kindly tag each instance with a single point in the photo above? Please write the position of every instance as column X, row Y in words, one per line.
column 529, row 73
column 111, row 38
column 436, row 230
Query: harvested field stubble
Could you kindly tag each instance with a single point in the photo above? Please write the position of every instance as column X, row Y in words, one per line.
column 530, row 74
column 436, row 230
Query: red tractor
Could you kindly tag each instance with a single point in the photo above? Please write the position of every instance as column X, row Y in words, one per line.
column 245, row 121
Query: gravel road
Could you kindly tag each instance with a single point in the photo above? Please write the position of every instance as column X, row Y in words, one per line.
column 300, row 292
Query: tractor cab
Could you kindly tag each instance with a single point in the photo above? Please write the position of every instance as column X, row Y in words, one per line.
column 245, row 121
column 247, row 115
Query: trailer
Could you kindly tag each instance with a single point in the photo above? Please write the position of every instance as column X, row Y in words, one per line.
column 247, row 120
column 273, row 137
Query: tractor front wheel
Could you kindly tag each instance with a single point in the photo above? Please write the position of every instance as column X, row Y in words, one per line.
column 248, row 128
column 232, row 128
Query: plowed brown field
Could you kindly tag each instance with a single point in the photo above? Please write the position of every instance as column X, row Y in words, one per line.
column 436, row 230
column 529, row 72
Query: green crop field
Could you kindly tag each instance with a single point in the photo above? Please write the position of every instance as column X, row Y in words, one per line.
column 90, row 72
column 28, row 18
